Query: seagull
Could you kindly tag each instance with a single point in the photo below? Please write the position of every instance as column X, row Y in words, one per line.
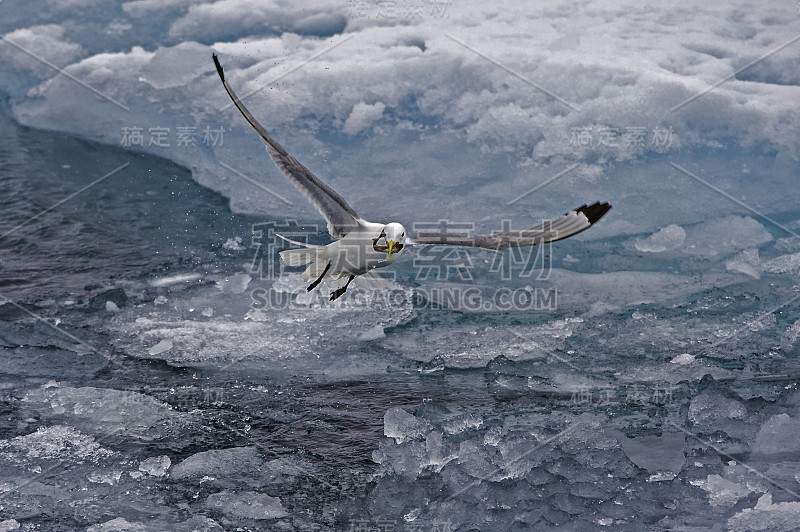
column 362, row 246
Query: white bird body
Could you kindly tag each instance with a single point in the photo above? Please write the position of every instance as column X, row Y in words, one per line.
column 363, row 246
column 353, row 254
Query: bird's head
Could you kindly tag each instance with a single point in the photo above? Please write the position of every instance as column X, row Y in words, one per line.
column 395, row 235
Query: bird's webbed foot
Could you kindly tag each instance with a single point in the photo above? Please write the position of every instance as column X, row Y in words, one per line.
column 336, row 294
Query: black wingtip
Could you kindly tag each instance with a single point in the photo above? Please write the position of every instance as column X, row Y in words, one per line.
column 219, row 67
column 595, row 211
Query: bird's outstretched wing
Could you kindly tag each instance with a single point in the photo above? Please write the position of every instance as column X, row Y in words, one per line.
column 564, row 226
column 340, row 216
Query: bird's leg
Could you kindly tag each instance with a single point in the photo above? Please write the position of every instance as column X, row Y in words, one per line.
column 319, row 279
column 339, row 291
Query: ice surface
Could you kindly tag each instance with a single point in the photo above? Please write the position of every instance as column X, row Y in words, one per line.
column 144, row 387
column 391, row 80
column 103, row 411
column 223, row 326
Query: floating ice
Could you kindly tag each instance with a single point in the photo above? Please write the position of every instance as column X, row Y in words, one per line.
column 155, row 466
column 658, row 454
column 58, row 442
column 222, row 464
column 105, row 477
column 749, row 262
column 402, row 426
column 373, row 333
column 234, row 244
column 683, row 359
column 234, row 284
column 766, row 516
column 717, row 238
column 362, row 117
column 106, row 411
column 668, row 238
column 246, row 505
column 779, row 435
column 746, row 262
column 789, row 340
column 711, row 409
column 8, row 525
column 118, row 524
column 723, row 492
column 175, row 279
column 161, row 347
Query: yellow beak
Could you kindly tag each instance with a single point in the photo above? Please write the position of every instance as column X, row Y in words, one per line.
column 391, row 248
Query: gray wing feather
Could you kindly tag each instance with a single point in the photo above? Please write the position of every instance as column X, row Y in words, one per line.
column 564, row 226
column 340, row 216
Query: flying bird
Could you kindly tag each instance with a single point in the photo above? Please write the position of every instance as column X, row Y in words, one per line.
column 363, row 246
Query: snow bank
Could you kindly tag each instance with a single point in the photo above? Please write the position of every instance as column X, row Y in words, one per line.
column 589, row 86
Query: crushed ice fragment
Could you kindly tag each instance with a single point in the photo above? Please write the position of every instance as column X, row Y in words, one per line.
column 234, row 284
column 373, row 333
column 683, row 359
column 234, row 244
column 105, row 477
column 175, row 279
column 219, row 463
column 118, row 524
column 778, row 435
column 53, row 443
column 161, row 347
column 155, row 466
column 668, row 238
column 789, row 340
column 780, row 517
column 402, row 426
column 8, row 525
column 723, row 492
